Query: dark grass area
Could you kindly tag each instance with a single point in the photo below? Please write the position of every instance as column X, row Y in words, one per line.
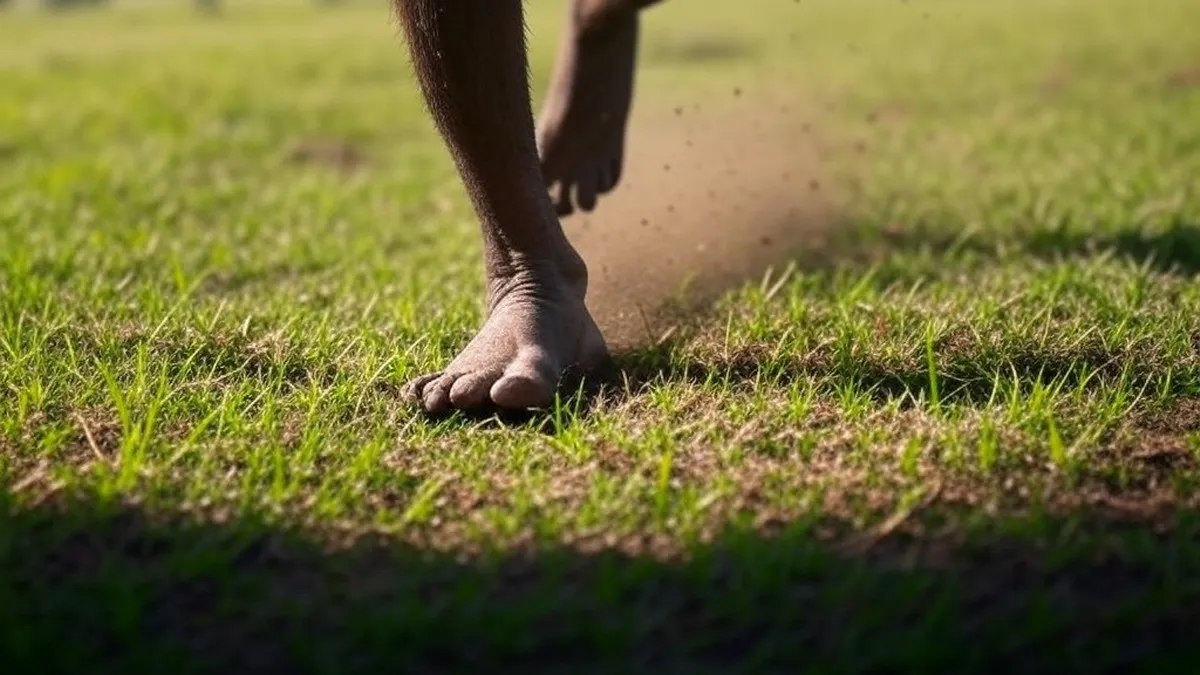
column 96, row 587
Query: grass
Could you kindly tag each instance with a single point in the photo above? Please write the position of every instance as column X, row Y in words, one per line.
column 961, row 434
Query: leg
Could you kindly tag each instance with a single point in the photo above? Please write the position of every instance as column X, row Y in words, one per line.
column 470, row 61
column 581, row 130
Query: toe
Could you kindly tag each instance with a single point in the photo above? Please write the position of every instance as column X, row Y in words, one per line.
column 615, row 167
column 436, row 396
column 416, row 387
column 471, row 390
column 585, row 193
column 520, row 392
column 604, row 180
column 528, row 382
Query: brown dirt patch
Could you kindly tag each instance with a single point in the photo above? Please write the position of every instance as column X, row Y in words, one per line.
column 1183, row 417
column 1055, row 82
column 95, row 437
column 339, row 155
column 1185, row 78
column 1161, row 447
column 712, row 197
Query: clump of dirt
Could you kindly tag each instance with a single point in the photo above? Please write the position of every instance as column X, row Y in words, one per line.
column 712, row 196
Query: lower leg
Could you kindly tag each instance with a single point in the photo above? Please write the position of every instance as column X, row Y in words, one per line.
column 470, row 61
column 581, row 129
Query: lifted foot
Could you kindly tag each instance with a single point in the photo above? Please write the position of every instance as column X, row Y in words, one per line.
column 581, row 130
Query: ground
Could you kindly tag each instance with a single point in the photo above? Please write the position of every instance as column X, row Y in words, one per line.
column 939, row 410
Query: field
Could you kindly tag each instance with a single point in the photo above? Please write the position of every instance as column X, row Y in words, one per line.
column 940, row 412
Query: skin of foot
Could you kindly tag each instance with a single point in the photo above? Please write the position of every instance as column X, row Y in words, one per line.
column 470, row 60
column 537, row 330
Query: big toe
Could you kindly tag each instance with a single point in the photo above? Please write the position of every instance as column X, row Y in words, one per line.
column 520, row 391
column 529, row 382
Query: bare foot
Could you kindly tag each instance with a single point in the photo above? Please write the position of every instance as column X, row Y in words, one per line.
column 581, row 129
column 537, row 329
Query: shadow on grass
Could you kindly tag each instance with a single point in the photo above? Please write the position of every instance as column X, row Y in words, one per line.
column 1173, row 249
column 93, row 587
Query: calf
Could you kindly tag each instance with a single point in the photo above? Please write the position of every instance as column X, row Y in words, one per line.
column 471, row 62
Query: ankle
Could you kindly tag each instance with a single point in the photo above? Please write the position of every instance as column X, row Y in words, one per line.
column 572, row 268
column 544, row 275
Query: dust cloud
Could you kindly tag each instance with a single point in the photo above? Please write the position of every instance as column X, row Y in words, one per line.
column 709, row 199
